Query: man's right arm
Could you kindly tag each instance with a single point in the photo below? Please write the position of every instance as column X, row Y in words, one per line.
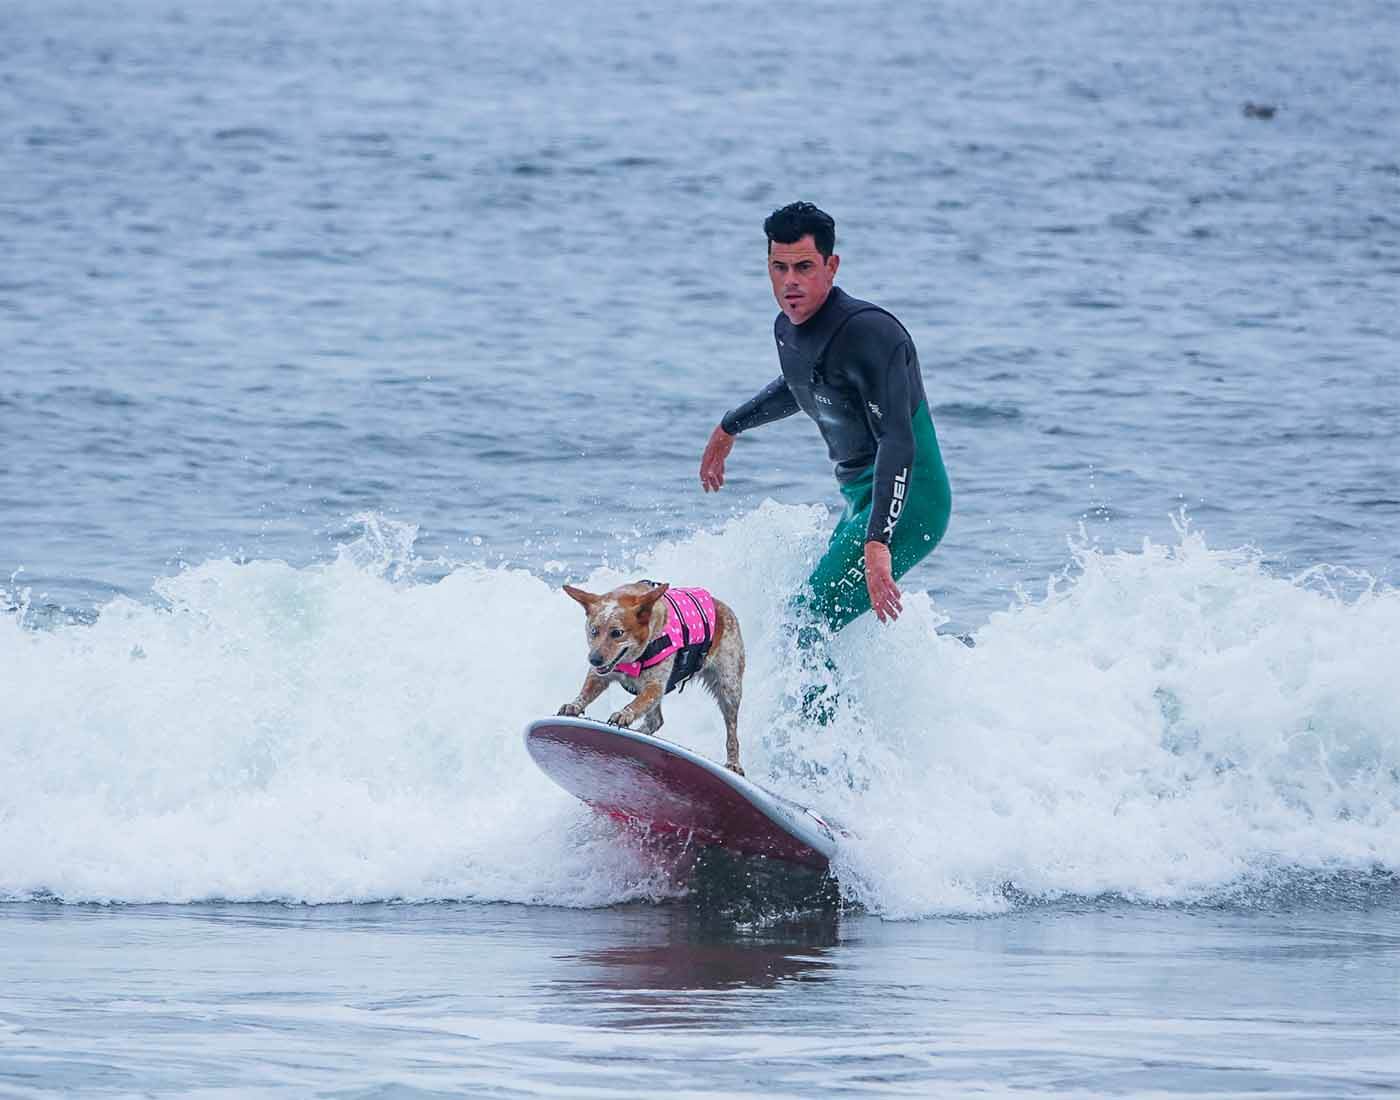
column 773, row 402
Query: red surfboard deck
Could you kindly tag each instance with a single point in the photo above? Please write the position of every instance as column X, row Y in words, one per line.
column 660, row 785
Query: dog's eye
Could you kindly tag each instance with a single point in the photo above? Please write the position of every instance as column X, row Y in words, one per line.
column 593, row 633
column 616, row 633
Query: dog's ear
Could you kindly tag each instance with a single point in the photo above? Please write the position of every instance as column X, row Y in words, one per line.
column 585, row 598
column 645, row 602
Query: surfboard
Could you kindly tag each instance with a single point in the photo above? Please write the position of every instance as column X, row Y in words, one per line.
column 664, row 787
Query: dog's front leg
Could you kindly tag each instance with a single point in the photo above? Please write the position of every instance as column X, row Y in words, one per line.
column 651, row 721
column 593, row 686
column 647, row 698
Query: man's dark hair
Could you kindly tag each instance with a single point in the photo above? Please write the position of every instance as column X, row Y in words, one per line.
column 790, row 223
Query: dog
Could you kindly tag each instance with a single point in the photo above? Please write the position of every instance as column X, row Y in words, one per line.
column 652, row 638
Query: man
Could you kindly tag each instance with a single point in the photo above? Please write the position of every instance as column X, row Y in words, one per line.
column 850, row 366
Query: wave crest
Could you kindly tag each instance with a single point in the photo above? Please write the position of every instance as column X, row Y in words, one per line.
column 1163, row 725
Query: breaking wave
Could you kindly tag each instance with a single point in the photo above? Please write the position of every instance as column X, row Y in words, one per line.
column 1167, row 725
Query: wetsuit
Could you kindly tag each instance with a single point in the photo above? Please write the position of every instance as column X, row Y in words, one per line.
column 852, row 367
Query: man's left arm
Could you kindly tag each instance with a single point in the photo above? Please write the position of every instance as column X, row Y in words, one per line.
column 882, row 379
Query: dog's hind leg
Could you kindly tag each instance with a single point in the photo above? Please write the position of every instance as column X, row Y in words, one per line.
column 726, row 681
column 729, row 707
column 723, row 674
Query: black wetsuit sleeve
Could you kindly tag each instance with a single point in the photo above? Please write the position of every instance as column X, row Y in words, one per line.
column 881, row 372
column 773, row 402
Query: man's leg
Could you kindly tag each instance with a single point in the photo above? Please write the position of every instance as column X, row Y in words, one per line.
column 836, row 594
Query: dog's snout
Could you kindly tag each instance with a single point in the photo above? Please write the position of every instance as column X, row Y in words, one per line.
column 595, row 659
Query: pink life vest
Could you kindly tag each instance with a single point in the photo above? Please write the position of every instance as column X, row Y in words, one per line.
column 690, row 628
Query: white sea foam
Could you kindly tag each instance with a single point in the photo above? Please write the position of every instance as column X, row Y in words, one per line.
column 1163, row 724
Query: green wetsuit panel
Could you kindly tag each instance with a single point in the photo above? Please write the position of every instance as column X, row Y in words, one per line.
column 836, row 593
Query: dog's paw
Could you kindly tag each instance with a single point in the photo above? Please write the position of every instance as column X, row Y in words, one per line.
column 735, row 769
column 570, row 710
column 619, row 718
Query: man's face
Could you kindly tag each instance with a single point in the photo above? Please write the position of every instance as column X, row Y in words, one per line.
column 801, row 277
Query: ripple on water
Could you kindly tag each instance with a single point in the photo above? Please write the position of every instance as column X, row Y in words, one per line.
column 974, row 412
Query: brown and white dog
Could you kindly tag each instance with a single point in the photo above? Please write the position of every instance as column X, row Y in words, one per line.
column 651, row 645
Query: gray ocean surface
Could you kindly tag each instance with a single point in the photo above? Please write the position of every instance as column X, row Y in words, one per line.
column 335, row 335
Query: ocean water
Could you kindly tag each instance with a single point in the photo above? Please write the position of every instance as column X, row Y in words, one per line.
column 335, row 336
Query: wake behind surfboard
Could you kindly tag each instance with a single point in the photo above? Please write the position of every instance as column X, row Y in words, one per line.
column 668, row 789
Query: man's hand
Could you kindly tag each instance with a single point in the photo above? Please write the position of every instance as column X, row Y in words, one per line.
column 712, row 461
column 879, row 582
